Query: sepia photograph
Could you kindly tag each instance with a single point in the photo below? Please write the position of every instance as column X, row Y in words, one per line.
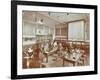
column 55, row 39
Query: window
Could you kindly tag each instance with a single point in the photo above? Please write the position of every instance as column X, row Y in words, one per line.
column 76, row 31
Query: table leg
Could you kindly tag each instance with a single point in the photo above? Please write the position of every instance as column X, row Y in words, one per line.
column 28, row 63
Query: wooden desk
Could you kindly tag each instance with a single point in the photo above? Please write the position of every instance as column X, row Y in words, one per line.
column 73, row 61
column 30, row 63
column 35, row 64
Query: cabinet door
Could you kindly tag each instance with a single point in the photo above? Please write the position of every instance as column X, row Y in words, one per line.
column 57, row 32
column 63, row 31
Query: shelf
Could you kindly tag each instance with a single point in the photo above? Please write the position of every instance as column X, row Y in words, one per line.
column 28, row 42
column 27, row 36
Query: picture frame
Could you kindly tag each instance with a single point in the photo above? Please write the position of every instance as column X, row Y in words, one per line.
column 18, row 9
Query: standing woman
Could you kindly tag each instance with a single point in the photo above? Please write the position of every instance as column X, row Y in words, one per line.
column 36, row 54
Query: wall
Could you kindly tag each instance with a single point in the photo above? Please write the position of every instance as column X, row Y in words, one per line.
column 5, row 24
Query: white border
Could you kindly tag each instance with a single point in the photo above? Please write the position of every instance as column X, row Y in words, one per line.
column 21, row 71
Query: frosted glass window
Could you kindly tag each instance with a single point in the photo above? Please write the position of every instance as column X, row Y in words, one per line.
column 28, row 29
column 76, row 31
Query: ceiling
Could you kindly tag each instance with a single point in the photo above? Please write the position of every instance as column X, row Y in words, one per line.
column 53, row 18
column 64, row 17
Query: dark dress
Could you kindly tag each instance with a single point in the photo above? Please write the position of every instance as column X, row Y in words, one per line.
column 37, row 53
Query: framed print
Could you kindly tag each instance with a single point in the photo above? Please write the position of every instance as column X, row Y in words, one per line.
column 53, row 39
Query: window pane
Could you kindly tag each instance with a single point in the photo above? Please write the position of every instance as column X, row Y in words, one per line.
column 76, row 31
